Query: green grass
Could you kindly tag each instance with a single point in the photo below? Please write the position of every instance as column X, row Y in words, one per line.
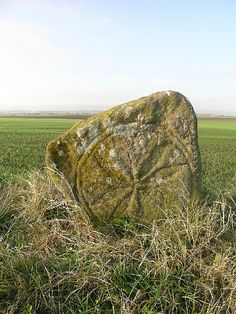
column 217, row 139
column 23, row 143
column 219, row 123
column 53, row 260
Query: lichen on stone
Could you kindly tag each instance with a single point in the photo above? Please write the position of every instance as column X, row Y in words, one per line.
column 132, row 159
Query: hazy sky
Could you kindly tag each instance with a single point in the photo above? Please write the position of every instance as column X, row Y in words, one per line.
column 78, row 55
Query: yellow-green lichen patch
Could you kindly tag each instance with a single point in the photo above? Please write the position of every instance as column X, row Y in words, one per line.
column 132, row 159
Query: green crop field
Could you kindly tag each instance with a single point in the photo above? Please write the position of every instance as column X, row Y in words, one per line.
column 23, row 142
column 217, row 139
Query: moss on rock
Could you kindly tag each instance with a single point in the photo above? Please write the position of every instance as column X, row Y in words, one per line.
column 134, row 158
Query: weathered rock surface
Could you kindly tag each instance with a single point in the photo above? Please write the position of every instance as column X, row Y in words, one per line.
column 135, row 158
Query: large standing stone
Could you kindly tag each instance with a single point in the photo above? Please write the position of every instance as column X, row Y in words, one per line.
column 134, row 158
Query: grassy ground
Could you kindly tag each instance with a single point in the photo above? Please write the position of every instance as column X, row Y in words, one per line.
column 53, row 260
column 217, row 139
column 23, row 143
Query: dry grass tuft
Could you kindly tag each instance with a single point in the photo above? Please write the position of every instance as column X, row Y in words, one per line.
column 52, row 259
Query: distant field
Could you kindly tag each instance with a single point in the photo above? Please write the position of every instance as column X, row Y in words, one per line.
column 23, row 143
column 217, row 139
column 219, row 123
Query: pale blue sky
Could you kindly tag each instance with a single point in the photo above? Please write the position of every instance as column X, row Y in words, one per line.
column 78, row 55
